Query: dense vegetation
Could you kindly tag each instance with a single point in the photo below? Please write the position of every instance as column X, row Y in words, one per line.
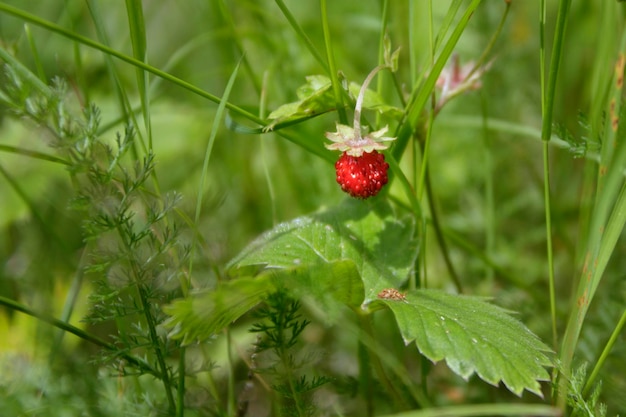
column 174, row 240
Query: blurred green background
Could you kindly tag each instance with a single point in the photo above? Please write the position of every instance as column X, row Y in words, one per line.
column 257, row 181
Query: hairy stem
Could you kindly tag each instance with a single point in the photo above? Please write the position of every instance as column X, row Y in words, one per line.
column 359, row 100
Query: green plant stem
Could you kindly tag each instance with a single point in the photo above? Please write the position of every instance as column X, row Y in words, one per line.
column 440, row 238
column 555, row 60
column 80, row 333
column 359, row 101
column 232, row 27
column 605, row 353
column 549, row 250
column 547, row 107
column 489, row 213
column 125, row 236
column 290, row 381
column 404, row 181
column 25, row 73
column 137, row 27
column 413, row 45
column 33, row 47
column 300, row 32
column 341, row 111
column 392, row 390
column 374, row 347
column 130, row 60
column 264, row 155
column 366, row 382
column 34, row 154
column 158, row 347
column 492, row 41
column 120, row 90
column 381, row 51
column 180, row 393
column 420, row 95
column 69, row 304
column 425, row 153
column 546, row 133
column 231, row 404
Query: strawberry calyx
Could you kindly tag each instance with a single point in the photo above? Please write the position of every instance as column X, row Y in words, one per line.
column 348, row 139
column 361, row 169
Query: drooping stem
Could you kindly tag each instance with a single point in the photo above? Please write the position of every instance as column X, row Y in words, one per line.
column 360, row 98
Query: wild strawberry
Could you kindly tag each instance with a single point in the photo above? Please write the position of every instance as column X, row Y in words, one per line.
column 361, row 169
column 362, row 176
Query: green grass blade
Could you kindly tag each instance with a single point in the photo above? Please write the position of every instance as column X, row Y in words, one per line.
column 140, row 363
column 33, row 154
column 123, row 57
column 555, row 60
column 232, row 27
column 24, row 72
column 33, row 48
column 302, row 34
column 137, row 28
column 605, row 353
column 341, row 111
column 122, row 96
column 421, row 95
column 219, row 115
column 447, row 22
column 547, row 108
column 607, row 219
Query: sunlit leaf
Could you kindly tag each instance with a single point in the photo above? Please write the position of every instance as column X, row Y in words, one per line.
column 316, row 97
column 472, row 336
column 369, row 233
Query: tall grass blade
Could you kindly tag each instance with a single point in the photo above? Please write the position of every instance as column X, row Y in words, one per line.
column 330, row 55
column 607, row 219
column 421, row 94
column 217, row 121
column 137, row 27
column 302, row 34
column 232, row 27
column 33, row 48
column 122, row 96
column 547, row 107
column 123, row 57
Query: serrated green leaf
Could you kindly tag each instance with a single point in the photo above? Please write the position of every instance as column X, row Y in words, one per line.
column 473, row 336
column 314, row 85
column 315, row 97
column 202, row 315
column 382, row 247
column 326, row 287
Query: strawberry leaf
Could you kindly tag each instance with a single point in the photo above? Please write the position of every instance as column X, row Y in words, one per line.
column 368, row 233
column 326, row 288
column 204, row 314
column 473, row 336
column 316, row 97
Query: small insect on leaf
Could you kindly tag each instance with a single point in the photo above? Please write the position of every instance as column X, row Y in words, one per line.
column 391, row 294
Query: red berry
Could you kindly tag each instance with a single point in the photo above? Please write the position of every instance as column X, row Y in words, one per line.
column 362, row 176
